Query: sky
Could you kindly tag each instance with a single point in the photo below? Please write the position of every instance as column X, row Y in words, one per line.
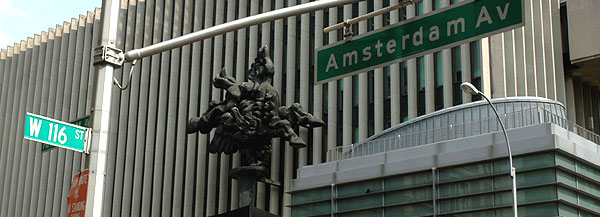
column 20, row 19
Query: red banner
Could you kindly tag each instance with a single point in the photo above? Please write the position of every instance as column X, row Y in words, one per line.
column 77, row 195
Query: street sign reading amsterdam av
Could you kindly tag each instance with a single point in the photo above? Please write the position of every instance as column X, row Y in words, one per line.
column 448, row 27
column 57, row 133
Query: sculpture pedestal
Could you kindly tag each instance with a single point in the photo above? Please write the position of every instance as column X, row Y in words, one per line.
column 247, row 177
column 247, row 211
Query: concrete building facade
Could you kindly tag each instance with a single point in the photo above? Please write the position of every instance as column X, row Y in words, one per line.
column 155, row 169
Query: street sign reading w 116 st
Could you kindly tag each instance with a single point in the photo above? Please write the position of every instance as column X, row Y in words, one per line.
column 57, row 133
column 440, row 29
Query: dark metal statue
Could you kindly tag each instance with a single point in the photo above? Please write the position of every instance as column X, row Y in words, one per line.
column 251, row 115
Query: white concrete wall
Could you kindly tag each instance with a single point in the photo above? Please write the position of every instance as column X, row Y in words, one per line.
column 584, row 29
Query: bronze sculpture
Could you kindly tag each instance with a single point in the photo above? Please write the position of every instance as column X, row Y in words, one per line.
column 251, row 115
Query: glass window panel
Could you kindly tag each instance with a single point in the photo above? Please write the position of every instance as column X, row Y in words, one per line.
column 565, row 162
column 536, row 177
column 437, row 4
column 421, row 72
column 419, row 8
column 473, row 214
column 439, row 69
column 467, row 203
column 407, row 196
column 503, row 198
column 567, row 195
column 311, row 195
column 365, row 213
column 407, row 181
column 386, row 82
column 465, row 172
column 312, row 209
column 456, row 75
column 589, row 203
column 418, row 209
column 525, row 162
column 525, row 179
column 476, row 66
column 547, row 209
column 586, row 214
column 588, row 171
column 359, row 188
column 588, row 187
column 567, row 211
column 355, row 91
column 466, row 187
column 532, row 195
column 566, row 178
column 356, row 203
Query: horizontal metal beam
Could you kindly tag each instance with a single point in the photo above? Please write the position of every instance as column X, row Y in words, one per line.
column 232, row 26
column 369, row 15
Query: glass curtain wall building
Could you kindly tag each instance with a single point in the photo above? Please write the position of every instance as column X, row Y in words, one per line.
column 155, row 169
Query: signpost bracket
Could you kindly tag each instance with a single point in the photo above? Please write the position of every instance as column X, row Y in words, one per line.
column 348, row 31
column 109, row 54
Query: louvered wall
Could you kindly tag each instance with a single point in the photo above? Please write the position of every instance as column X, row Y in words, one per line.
column 154, row 168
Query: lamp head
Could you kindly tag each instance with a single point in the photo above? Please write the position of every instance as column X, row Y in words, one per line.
column 469, row 88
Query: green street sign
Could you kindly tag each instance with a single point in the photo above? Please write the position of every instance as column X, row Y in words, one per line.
column 460, row 23
column 56, row 133
column 84, row 122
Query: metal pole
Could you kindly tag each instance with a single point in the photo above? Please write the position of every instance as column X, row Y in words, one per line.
column 100, row 114
column 370, row 15
column 232, row 26
column 510, row 161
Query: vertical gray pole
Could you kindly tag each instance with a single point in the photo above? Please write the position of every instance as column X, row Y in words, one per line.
column 290, row 95
column 447, row 74
column 304, row 79
column 181, row 26
column 44, row 110
column 195, row 201
column 378, row 77
column 69, row 107
column 529, row 46
column 394, row 78
column 3, row 108
column 191, row 109
column 143, row 74
column 9, row 131
column 363, row 83
column 33, row 99
column 240, row 70
column 347, row 94
column 318, row 93
column 58, row 154
column 100, row 116
column 129, row 106
column 278, row 84
column 412, row 75
column 332, row 90
column 19, row 111
column 429, row 71
column 213, row 159
column 558, row 52
column 79, row 82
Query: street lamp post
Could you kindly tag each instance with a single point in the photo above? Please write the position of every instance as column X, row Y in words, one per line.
column 470, row 89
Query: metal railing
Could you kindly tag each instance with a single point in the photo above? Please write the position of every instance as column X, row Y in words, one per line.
column 513, row 120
